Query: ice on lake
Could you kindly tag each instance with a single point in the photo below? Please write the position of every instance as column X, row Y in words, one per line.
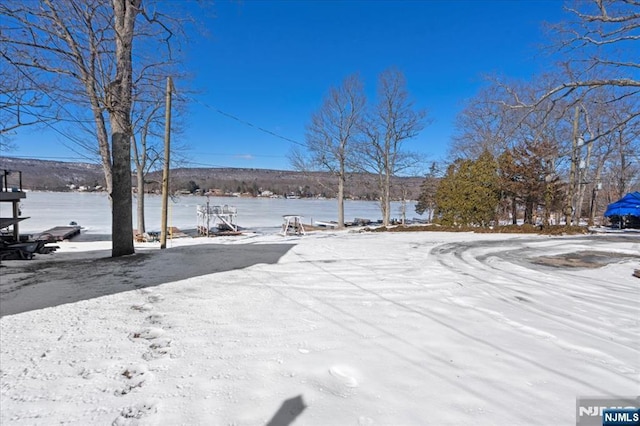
column 93, row 212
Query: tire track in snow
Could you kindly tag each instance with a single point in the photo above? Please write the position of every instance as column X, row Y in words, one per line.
column 461, row 257
column 464, row 257
column 515, row 355
column 282, row 289
column 339, row 371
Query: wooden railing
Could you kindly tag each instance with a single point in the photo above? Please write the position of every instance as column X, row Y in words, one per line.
column 9, row 185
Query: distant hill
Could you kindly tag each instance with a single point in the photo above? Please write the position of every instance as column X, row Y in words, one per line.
column 52, row 175
column 59, row 176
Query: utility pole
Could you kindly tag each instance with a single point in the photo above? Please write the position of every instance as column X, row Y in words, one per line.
column 583, row 167
column 165, row 171
column 569, row 210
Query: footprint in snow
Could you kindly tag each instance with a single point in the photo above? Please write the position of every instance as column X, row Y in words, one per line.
column 148, row 333
column 345, row 375
column 155, row 319
column 130, row 416
column 155, row 298
column 134, row 376
column 142, row 307
column 159, row 348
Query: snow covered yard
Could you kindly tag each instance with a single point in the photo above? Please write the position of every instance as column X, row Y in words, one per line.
column 342, row 328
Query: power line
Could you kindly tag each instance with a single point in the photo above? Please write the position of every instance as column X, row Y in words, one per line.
column 208, row 165
column 220, row 154
column 248, row 123
column 219, row 111
column 81, row 122
column 31, row 157
column 212, row 166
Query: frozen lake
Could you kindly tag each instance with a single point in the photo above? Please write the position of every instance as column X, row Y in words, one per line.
column 93, row 213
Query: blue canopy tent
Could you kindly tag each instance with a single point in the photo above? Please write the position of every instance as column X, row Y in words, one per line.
column 626, row 210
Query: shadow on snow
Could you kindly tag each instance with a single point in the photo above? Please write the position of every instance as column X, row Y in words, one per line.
column 72, row 277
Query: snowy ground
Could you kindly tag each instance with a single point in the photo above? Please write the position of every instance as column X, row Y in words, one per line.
column 332, row 328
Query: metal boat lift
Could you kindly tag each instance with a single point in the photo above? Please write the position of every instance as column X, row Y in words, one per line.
column 223, row 217
column 292, row 225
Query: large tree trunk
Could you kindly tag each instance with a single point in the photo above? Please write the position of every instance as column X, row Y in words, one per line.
column 121, row 217
column 119, row 96
column 528, row 212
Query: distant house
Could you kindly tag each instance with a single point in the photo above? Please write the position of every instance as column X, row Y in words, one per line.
column 215, row 192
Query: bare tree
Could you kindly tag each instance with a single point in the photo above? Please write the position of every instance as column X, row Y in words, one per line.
column 82, row 51
column 602, row 35
column 598, row 46
column 622, row 171
column 392, row 121
column 587, row 109
column 18, row 103
column 599, row 50
column 528, row 141
column 145, row 155
column 594, row 117
column 483, row 125
column 331, row 135
column 147, row 145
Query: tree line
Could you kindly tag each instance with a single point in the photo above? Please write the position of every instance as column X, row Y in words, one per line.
column 347, row 135
column 546, row 146
column 557, row 148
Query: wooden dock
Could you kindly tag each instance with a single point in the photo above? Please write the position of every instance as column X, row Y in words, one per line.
column 59, row 233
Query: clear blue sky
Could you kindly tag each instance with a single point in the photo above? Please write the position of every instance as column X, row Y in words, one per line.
column 269, row 63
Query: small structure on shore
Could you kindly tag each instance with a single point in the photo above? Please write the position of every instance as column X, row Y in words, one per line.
column 12, row 245
column 12, row 194
column 325, row 224
column 292, row 225
column 60, row 233
column 223, row 217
